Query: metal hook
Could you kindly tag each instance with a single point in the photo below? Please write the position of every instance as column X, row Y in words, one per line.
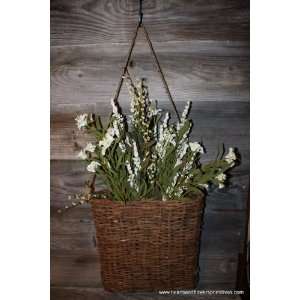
column 141, row 13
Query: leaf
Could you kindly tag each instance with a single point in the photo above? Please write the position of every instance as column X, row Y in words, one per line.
column 99, row 125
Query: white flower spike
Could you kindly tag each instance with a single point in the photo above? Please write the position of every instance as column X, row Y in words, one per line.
column 196, row 147
column 186, row 111
column 231, row 156
column 82, row 155
column 106, row 142
column 221, row 177
column 114, row 106
column 204, row 185
column 221, row 185
column 82, row 121
column 90, row 148
column 92, row 167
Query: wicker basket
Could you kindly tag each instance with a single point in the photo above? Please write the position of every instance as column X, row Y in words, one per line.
column 148, row 245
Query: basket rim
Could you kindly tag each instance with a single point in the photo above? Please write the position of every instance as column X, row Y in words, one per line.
column 198, row 197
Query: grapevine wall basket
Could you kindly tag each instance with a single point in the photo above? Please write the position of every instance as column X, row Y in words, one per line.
column 148, row 245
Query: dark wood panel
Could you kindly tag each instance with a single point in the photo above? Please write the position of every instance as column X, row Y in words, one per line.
column 214, row 123
column 81, row 268
column 75, row 268
column 81, row 293
column 196, row 71
column 95, row 21
column 203, row 47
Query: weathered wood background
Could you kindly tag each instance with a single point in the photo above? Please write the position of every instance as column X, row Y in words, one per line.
column 203, row 47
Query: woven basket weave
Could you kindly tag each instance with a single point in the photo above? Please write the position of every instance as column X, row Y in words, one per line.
column 148, row 245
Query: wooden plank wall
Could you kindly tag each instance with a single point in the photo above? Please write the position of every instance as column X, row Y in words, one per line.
column 203, row 47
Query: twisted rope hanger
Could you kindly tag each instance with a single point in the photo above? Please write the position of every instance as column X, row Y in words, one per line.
column 125, row 71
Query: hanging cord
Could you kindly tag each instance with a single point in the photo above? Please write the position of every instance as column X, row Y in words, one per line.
column 125, row 69
column 141, row 13
column 126, row 64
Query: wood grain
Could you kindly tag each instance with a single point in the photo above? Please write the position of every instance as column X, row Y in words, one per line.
column 203, row 47
column 91, row 21
column 197, row 71
column 79, row 293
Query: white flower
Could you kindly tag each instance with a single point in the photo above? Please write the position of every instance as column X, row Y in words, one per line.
column 82, row 155
column 151, row 170
column 181, row 152
column 170, row 138
column 221, row 177
column 82, row 121
column 122, row 147
column 178, row 162
column 186, row 133
column 196, row 147
column 129, row 119
column 116, row 128
column 188, row 167
column 119, row 119
column 204, row 185
column 114, row 106
column 131, row 177
column 106, row 142
column 153, row 110
column 221, row 185
column 170, row 188
column 128, row 166
column 136, row 158
column 185, row 111
column 175, row 179
column 183, row 116
column 90, row 147
column 155, row 133
column 127, row 141
column 179, row 192
column 165, row 138
column 92, row 167
column 166, row 120
column 231, row 156
column 111, row 131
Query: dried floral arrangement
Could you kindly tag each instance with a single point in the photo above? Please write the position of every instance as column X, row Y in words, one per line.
column 144, row 155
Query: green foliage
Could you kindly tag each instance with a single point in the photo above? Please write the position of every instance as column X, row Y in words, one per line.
column 144, row 155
